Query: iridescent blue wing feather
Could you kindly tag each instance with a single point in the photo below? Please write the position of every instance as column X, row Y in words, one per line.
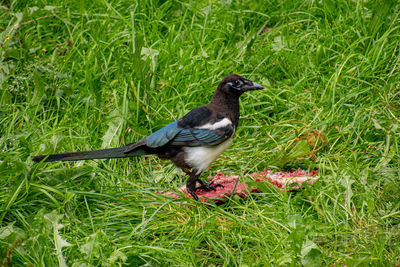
column 198, row 137
column 164, row 135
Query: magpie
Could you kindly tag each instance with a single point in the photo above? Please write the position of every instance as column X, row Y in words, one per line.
column 192, row 143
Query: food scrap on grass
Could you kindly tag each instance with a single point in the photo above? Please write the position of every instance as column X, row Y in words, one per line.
column 231, row 184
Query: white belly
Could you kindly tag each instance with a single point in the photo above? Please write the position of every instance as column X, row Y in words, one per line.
column 199, row 158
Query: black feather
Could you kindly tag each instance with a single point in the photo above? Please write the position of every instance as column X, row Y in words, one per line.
column 93, row 154
column 194, row 118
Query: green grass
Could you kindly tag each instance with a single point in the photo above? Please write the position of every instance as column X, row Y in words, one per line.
column 72, row 77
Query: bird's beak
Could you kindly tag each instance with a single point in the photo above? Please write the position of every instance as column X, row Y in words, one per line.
column 252, row 86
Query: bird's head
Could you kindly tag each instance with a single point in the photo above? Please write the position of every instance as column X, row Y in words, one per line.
column 237, row 85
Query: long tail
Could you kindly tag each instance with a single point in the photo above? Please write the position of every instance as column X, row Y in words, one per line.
column 109, row 153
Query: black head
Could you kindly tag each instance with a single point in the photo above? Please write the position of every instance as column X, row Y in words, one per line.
column 236, row 84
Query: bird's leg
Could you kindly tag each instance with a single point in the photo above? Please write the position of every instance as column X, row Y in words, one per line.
column 208, row 186
column 191, row 185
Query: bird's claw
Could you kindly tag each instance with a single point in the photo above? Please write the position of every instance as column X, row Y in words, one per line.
column 193, row 194
column 209, row 186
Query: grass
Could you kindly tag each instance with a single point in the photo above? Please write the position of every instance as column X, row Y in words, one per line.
column 79, row 75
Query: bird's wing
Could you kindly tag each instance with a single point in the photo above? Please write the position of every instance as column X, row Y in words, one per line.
column 158, row 138
column 197, row 128
column 202, row 137
column 164, row 135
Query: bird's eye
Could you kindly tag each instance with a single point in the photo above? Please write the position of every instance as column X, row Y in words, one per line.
column 237, row 83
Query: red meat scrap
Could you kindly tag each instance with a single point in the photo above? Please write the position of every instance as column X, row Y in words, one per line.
column 231, row 185
column 287, row 181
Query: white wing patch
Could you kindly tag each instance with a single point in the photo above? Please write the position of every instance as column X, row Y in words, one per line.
column 220, row 124
column 199, row 158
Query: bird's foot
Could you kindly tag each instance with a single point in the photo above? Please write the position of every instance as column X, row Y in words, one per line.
column 209, row 186
column 193, row 194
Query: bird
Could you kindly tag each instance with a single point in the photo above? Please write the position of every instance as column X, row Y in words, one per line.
column 192, row 142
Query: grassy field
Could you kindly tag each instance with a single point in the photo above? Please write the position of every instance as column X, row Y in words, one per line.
column 81, row 75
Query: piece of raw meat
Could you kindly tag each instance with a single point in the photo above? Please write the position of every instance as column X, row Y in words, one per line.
column 232, row 185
